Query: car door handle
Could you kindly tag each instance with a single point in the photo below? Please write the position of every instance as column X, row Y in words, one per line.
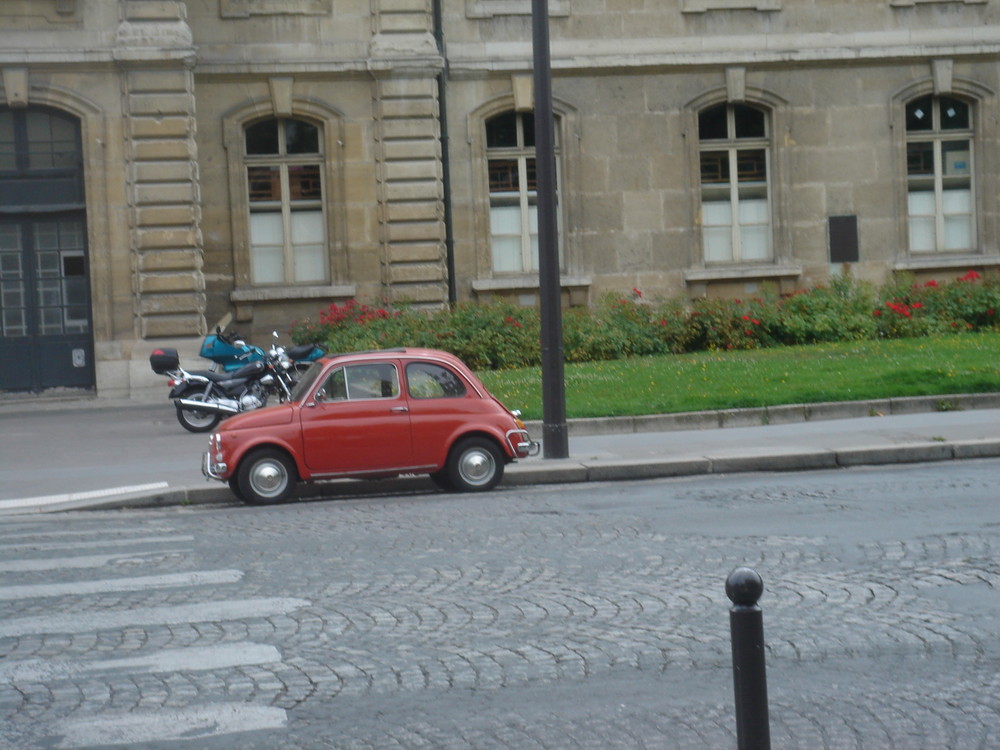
column 399, row 409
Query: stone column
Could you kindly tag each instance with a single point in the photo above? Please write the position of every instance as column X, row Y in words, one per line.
column 154, row 50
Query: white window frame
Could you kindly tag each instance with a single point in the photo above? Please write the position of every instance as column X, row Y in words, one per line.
column 525, row 199
column 938, row 182
column 286, row 208
column 732, row 146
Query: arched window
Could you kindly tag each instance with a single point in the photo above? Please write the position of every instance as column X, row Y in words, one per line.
column 735, row 149
column 510, row 154
column 939, row 172
column 284, row 177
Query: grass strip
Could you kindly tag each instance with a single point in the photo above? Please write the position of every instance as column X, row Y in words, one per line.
column 851, row 371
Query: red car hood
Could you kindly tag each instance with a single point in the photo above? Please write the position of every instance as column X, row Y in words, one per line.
column 270, row 416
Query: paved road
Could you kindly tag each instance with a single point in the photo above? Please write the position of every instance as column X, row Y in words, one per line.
column 577, row 616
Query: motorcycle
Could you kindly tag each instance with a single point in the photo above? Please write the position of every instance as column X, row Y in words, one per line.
column 204, row 397
column 230, row 352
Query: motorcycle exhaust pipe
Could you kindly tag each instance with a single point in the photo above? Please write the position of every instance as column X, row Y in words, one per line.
column 204, row 406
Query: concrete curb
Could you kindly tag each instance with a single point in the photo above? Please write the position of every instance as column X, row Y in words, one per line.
column 568, row 471
column 784, row 414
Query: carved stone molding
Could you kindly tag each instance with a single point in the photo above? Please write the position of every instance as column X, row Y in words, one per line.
column 247, row 8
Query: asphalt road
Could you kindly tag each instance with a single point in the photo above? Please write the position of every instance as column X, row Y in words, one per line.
column 565, row 616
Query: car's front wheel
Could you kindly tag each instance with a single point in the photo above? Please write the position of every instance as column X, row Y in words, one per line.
column 475, row 464
column 266, row 476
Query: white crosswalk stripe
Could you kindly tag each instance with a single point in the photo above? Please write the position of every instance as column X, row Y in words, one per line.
column 81, row 617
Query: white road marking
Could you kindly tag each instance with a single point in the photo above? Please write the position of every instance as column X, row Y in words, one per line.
column 89, row 622
column 50, row 546
column 88, row 561
column 194, row 659
column 82, row 588
column 192, row 723
column 27, row 502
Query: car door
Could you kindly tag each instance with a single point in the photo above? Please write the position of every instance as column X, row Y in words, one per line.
column 357, row 421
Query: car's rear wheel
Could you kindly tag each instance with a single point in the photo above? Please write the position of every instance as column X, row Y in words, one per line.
column 266, row 476
column 474, row 465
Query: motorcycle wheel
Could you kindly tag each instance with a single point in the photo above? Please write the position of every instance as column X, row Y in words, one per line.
column 266, row 476
column 196, row 421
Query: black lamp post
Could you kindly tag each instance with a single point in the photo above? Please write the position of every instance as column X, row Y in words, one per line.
column 554, row 435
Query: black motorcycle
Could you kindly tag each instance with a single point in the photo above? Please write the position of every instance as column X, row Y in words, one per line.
column 204, row 397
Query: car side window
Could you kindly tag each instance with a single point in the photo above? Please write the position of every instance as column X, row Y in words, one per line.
column 426, row 380
column 356, row 382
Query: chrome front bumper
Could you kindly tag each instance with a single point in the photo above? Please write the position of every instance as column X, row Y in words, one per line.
column 212, row 470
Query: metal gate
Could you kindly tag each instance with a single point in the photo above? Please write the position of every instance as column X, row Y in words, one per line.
column 45, row 314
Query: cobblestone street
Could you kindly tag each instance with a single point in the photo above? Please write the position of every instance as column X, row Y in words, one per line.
column 559, row 617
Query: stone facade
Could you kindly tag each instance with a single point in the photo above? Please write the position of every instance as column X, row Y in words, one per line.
column 404, row 195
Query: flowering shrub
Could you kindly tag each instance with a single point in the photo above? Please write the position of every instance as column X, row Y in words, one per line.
column 503, row 335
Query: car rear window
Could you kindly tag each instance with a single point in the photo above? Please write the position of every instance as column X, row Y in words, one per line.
column 427, row 380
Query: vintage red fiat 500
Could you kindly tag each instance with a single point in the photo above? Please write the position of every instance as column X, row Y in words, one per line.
column 371, row 415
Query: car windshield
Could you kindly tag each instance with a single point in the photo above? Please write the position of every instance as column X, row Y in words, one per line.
column 307, row 381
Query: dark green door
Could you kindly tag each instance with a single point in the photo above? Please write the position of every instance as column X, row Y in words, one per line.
column 45, row 318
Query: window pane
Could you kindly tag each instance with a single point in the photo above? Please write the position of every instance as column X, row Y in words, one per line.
column 753, row 212
column 372, row 381
column 749, row 122
column 921, row 203
column 267, row 259
column 957, row 233
column 920, row 158
column 955, row 155
column 262, row 137
column 425, row 380
column 301, row 137
column 958, row 201
column 755, row 243
column 954, row 114
column 922, row 234
column 714, row 167
column 264, row 184
column 718, row 244
column 712, row 124
column 503, row 175
column 8, row 157
column 304, row 182
column 308, row 246
column 501, row 131
column 717, row 213
column 751, row 166
column 528, row 129
column 51, row 141
column 506, row 254
column 918, row 114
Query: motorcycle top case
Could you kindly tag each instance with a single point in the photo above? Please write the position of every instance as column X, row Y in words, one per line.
column 164, row 360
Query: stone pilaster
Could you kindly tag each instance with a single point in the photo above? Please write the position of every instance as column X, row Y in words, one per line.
column 154, row 49
column 406, row 61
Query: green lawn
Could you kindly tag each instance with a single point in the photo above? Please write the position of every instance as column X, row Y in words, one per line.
column 765, row 377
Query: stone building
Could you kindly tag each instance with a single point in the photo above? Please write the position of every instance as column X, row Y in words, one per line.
column 168, row 164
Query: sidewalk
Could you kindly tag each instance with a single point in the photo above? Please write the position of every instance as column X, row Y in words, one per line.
column 136, row 455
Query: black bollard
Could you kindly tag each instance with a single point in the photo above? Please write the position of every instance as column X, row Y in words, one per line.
column 746, row 624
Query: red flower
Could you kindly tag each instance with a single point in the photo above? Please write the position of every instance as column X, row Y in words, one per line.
column 970, row 276
column 637, row 292
column 931, row 283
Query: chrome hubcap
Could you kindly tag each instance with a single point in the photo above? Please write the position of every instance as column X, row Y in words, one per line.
column 268, row 478
column 477, row 467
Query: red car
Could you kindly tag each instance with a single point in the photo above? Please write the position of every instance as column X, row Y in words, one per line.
column 368, row 415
